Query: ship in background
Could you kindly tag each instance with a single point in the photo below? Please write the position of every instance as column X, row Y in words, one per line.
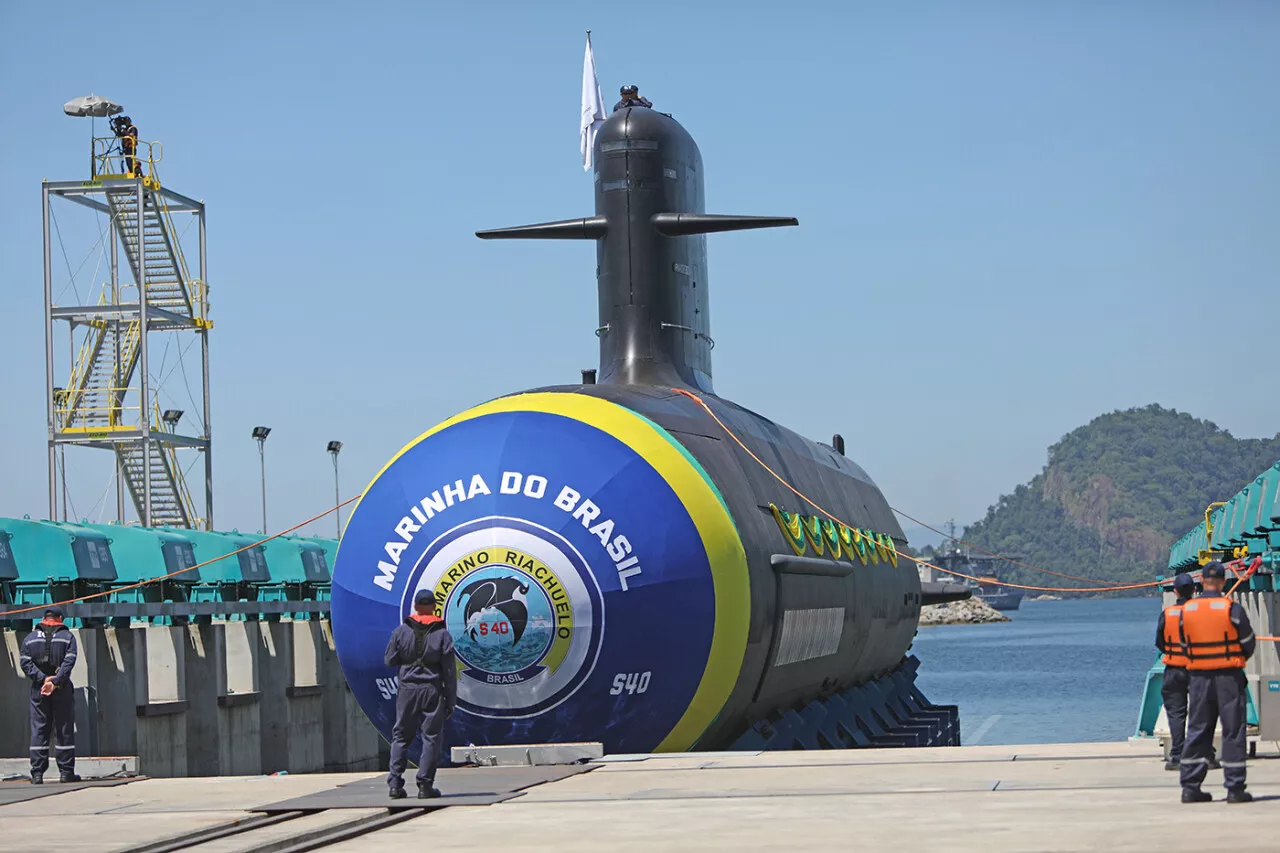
column 954, row 558
column 983, row 568
column 614, row 565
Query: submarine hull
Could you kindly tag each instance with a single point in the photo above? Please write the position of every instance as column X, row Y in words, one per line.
column 613, row 567
column 611, row 564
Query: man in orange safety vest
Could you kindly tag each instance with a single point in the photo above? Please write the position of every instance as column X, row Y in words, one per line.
column 1176, row 682
column 1216, row 638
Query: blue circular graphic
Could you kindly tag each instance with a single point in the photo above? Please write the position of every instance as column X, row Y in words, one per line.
column 501, row 622
column 486, row 572
column 571, row 576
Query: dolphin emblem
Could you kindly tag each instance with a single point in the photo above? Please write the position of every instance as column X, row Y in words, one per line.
column 500, row 594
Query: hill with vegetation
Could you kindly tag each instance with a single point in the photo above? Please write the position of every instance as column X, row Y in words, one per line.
column 1116, row 493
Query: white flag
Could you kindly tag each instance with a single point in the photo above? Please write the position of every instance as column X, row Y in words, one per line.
column 592, row 106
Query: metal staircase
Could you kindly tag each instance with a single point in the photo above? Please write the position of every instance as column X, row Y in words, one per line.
column 103, row 373
column 103, row 370
column 160, row 255
column 170, row 502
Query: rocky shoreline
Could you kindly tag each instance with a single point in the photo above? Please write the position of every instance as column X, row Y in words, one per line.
column 972, row 611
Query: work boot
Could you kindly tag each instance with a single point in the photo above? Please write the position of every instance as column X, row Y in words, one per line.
column 37, row 778
column 397, row 793
column 1239, row 795
column 68, row 777
column 1195, row 795
column 427, row 791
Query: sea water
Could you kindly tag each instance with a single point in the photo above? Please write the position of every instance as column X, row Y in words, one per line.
column 1061, row 671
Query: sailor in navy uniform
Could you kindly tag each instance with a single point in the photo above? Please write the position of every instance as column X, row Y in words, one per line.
column 427, row 694
column 631, row 98
column 48, row 655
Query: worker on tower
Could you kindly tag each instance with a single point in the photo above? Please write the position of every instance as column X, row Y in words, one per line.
column 631, row 98
column 427, row 692
column 47, row 658
column 127, row 133
column 1217, row 639
column 1174, row 689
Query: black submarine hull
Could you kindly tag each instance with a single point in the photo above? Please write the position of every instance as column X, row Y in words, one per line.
column 819, row 623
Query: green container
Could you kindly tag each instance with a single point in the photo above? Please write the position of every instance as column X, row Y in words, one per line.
column 1235, row 517
column 42, row 562
column 301, row 561
column 142, row 554
column 247, row 567
column 53, row 561
column 1218, row 517
column 1271, row 500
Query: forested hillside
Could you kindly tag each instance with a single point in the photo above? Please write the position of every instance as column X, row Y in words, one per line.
column 1117, row 493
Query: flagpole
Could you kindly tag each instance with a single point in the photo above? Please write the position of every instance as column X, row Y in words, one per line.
column 593, row 109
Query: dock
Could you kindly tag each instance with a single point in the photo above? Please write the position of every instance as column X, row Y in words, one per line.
column 1060, row 797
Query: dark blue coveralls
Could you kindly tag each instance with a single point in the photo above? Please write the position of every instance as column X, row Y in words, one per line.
column 51, row 650
column 635, row 101
column 1173, row 690
column 1218, row 694
column 426, row 696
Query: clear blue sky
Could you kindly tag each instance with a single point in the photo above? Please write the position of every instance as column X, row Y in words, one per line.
column 1014, row 217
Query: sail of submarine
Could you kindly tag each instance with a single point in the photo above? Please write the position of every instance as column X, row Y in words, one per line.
column 651, row 254
column 675, row 594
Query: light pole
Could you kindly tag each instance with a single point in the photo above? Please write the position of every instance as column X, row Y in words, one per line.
column 335, row 447
column 260, row 434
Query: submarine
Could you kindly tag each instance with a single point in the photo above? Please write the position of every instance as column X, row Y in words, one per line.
column 611, row 564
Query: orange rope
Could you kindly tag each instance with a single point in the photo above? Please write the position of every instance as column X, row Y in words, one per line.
column 982, row 581
column 993, row 554
column 1241, row 577
column 916, row 560
column 117, row 589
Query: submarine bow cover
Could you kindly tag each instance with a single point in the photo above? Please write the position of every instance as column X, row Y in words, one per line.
column 609, row 567
column 601, row 529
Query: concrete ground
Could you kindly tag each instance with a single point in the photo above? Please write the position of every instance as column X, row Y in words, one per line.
column 1054, row 797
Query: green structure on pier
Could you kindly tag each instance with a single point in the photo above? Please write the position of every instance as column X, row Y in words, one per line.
column 1243, row 531
column 206, row 575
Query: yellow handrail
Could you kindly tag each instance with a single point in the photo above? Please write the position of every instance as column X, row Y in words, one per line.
column 176, row 245
column 83, row 363
column 109, row 160
column 129, row 347
column 68, row 404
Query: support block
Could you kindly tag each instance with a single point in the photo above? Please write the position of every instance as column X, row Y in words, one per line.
column 238, row 699
column 527, row 754
column 160, row 699
column 350, row 740
column 15, row 699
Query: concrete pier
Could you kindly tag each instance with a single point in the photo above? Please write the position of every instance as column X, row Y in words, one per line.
column 1061, row 797
column 223, row 699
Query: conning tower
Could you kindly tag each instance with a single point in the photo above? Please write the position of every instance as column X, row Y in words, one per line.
column 651, row 258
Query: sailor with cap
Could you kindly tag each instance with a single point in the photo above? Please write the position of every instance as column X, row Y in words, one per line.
column 1174, row 689
column 426, row 695
column 1217, row 639
column 47, row 657
column 631, row 98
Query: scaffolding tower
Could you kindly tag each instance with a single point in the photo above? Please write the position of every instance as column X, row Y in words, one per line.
column 108, row 400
